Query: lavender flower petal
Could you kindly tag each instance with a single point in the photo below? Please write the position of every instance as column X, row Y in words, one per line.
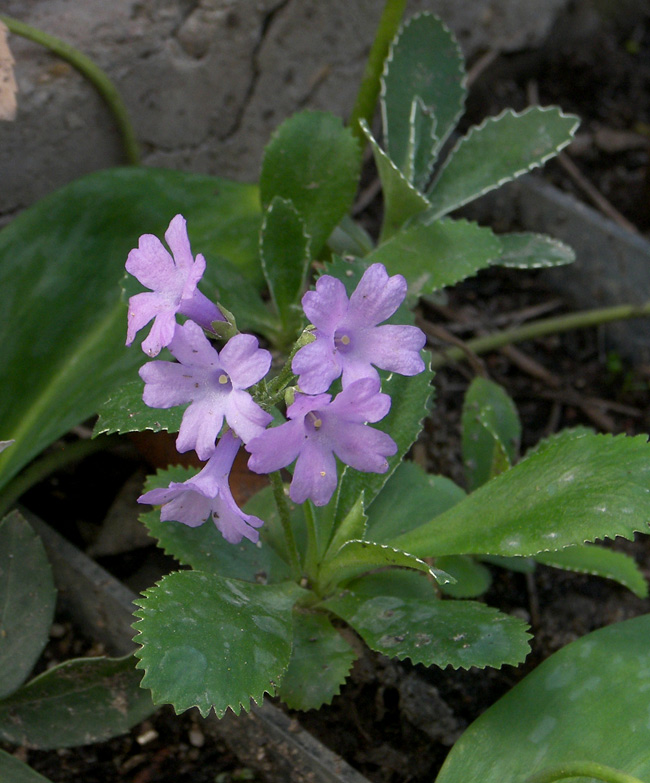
column 208, row 494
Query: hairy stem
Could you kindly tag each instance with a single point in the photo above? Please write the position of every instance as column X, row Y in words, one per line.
column 90, row 71
column 582, row 769
column 364, row 106
column 48, row 463
column 283, row 510
column 562, row 323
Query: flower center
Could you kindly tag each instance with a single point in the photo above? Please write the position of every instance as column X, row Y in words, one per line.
column 313, row 419
column 223, row 378
column 342, row 341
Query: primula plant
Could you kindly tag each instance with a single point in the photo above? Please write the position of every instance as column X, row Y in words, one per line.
column 290, row 338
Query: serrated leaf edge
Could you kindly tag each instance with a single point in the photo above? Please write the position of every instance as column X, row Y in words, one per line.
column 389, row 59
column 542, row 265
column 514, row 175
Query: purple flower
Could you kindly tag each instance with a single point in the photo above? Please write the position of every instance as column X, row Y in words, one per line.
column 348, row 339
column 173, row 282
column 208, row 495
column 213, row 383
column 317, row 430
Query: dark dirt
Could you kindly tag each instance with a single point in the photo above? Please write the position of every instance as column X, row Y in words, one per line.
column 396, row 722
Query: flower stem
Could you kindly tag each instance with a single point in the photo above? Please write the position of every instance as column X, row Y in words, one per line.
column 562, row 323
column 283, row 510
column 582, row 769
column 95, row 75
column 312, row 555
column 364, row 106
column 55, row 460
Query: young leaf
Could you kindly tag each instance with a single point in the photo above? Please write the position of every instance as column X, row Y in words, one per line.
column 401, row 200
column 212, row 642
column 125, row 411
column 587, row 702
column 600, row 562
column 437, row 255
column 356, row 557
column 445, row 633
column 491, row 431
column 313, row 161
column 27, row 599
column 533, row 251
column 284, row 250
column 497, row 151
column 75, row 703
column 425, row 63
column 409, row 498
column 570, row 490
column 320, row 661
column 410, row 399
column 472, row 578
column 204, row 548
column 62, row 321
column 14, row 771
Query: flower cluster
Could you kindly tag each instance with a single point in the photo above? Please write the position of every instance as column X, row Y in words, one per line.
column 349, row 342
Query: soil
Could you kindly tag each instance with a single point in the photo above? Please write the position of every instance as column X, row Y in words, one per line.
column 395, row 722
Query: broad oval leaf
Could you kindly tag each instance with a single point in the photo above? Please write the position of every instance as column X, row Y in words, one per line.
column 212, row 642
column 587, row 702
column 570, row 490
column 75, row 703
column 425, row 63
column 471, row 578
column 320, row 661
column 433, row 632
column 27, row 600
column 499, row 150
column 62, row 321
column 441, row 254
column 313, row 161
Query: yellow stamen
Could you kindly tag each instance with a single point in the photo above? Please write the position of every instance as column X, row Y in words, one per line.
column 345, row 340
column 223, row 379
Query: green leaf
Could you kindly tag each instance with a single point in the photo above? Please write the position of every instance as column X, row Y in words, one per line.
column 356, row 557
column 410, row 399
column 14, row 771
column 284, row 249
column 62, row 323
column 533, row 251
column 401, row 200
column 569, row 491
column 587, row 702
column 204, row 548
column 437, row 255
column 320, row 661
column 212, row 642
column 423, row 142
column 76, row 703
column 491, row 431
column 352, row 527
column 497, row 151
column 444, row 633
column 425, row 63
column 124, row 411
column 599, row 562
column 27, row 600
column 409, row 498
column 313, row 161
column 472, row 578
column 234, row 291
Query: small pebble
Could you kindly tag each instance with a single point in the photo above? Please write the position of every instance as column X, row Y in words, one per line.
column 196, row 737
